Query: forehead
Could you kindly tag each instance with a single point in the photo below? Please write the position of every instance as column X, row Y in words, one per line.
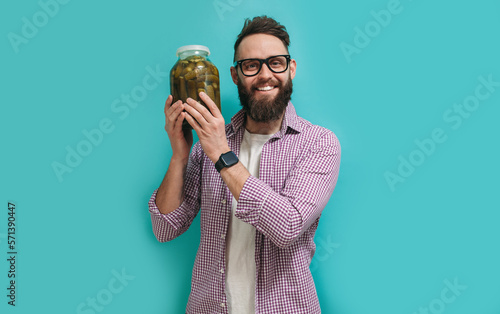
column 260, row 46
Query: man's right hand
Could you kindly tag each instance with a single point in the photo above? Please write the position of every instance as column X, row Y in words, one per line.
column 170, row 194
column 180, row 140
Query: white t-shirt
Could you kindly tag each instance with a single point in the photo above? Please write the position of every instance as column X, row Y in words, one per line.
column 240, row 240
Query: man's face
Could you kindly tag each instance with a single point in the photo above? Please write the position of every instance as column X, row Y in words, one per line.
column 264, row 96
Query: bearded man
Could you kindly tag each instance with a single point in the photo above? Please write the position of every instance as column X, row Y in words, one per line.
column 260, row 184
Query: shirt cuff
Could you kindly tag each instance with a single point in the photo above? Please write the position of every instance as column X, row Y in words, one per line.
column 176, row 219
column 252, row 199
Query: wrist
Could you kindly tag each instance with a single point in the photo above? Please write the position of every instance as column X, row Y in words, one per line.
column 215, row 157
column 179, row 159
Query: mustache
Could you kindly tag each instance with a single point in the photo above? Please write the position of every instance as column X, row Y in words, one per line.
column 272, row 82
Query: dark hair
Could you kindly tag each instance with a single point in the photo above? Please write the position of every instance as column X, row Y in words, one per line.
column 262, row 25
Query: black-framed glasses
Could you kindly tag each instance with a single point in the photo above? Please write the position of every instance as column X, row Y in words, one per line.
column 251, row 67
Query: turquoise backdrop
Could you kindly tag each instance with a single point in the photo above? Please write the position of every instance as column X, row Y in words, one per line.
column 411, row 89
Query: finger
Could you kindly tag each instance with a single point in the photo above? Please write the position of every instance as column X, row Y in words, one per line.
column 178, row 122
column 168, row 103
column 173, row 108
column 173, row 117
column 202, row 109
column 211, row 105
column 177, row 111
column 192, row 122
column 198, row 112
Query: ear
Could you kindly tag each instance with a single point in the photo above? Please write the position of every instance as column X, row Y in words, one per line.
column 234, row 75
column 293, row 68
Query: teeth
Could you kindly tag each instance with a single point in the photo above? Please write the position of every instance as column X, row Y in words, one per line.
column 265, row 88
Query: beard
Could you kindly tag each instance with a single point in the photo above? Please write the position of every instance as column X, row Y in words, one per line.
column 266, row 109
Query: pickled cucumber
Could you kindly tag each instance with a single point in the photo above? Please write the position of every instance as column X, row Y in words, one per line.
column 192, row 89
column 182, row 89
column 210, row 92
column 209, row 77
column 195, row 73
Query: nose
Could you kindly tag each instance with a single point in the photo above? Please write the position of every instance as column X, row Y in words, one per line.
column 265, row 72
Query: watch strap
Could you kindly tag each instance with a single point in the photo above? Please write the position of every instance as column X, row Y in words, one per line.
column 221, row 163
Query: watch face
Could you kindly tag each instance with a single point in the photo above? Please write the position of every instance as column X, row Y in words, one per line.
column 229, row 159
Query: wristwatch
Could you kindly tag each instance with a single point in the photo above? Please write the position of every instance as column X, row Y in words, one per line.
column 226, row 160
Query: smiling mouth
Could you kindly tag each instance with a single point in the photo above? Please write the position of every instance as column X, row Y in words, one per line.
column 266, row 88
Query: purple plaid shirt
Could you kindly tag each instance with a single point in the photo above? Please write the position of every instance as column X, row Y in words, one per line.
column 298, row 172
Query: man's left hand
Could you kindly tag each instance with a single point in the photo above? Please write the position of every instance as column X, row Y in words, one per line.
column 209, row 125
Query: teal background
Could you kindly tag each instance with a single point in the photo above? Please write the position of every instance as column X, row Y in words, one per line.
column 379, row 251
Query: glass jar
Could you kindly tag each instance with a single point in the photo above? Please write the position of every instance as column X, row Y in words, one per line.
column 194, row 73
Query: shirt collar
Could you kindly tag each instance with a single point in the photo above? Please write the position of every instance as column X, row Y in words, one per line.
column 290, row 122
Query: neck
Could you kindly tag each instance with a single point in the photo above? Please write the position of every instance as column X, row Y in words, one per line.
column 270, row 127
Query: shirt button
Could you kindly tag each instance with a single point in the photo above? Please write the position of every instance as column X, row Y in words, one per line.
column 222, row 236
column 222, row 305
column 222, row 270
column 223, row 201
